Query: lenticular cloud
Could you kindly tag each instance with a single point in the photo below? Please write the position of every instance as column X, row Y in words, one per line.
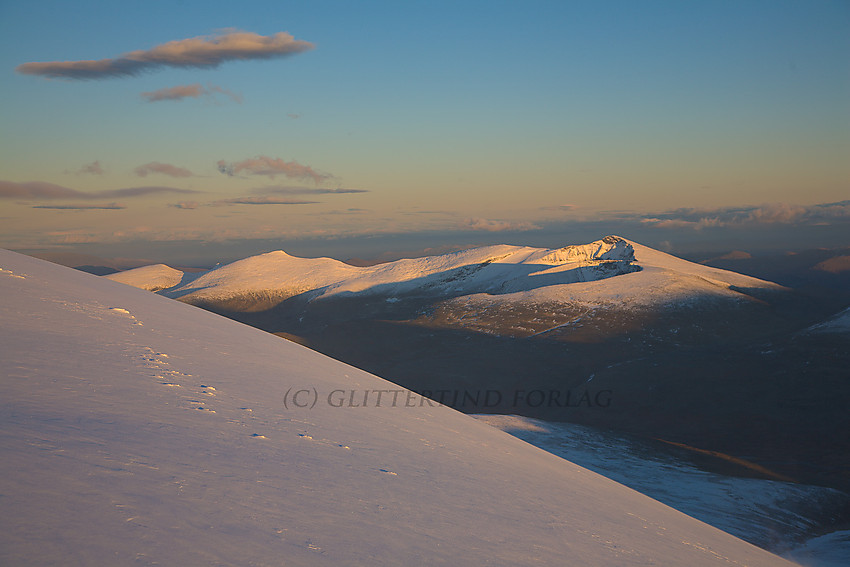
column 203, row 51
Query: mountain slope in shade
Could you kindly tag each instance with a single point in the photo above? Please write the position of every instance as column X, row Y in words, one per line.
column 840, row 323
column 137, row 430
column 786, row 518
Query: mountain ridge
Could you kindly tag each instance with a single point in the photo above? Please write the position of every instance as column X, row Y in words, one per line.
column 494, row 270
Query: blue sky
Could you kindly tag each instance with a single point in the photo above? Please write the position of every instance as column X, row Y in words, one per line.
column 424, row 124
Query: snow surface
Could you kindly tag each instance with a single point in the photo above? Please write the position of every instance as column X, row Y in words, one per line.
column 772, row 514
column 830, row 550
column 840, row 323
column 151, row 278
column 138, row 430
column 610, row 270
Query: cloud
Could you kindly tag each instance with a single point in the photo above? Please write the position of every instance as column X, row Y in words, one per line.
column 767, row 214
column 559, row 208
column 44, row 190
column 832, row 211
column 424, row 212
column 680, row 223
column 197, row 52
column 163, row 168
column 263, row 201
column 188, row 205
column 498, row 225
column 190, row 91
column 37, row 190
column 92, row 168
column 110, row 206
column 776, row 213
column 139, row 191
column 308, row 190
column 351, row 211
column 264, row 165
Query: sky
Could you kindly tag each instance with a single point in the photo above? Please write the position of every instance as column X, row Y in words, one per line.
column 208, row 131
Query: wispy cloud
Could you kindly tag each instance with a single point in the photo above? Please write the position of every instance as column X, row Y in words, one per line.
column 140, row 191
column 37, row 190
column 699, row 224
column 163, row 168
column 768, row 214
column 93, row 168
column 426, row 212
column 264, row 165
column 109, row 207
column 44, row 190
column 187, row 205
column 558, row 208
column 307, row 190
column 498, row 225
column 262, row 201
column 198, row 52
column 190, row 91
column 352, row 211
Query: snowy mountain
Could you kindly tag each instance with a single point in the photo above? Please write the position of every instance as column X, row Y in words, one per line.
column 612, row 334
column 151, row 278
column 634, row 274
column 136, row 430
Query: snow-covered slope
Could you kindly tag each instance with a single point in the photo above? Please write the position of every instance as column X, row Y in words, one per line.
column 151, row 278
column 609, row 270
column 773, row 514
column 137, row 430
column 840, row 323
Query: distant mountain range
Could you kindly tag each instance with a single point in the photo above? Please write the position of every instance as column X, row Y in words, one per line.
column 509, row 273
column 612, row 333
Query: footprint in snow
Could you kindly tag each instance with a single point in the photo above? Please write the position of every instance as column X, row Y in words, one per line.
column 200, row 406
column 313, row 547
column 122, row 311
column 11, row 273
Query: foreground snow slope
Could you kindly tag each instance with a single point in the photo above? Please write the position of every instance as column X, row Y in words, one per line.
column 772, row 514
column 138, row 430
column 610, row 269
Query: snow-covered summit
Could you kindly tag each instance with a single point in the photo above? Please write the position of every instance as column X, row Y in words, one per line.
column 151, row 278
column 609, row 248
column 157, row 433
column 610, row 269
